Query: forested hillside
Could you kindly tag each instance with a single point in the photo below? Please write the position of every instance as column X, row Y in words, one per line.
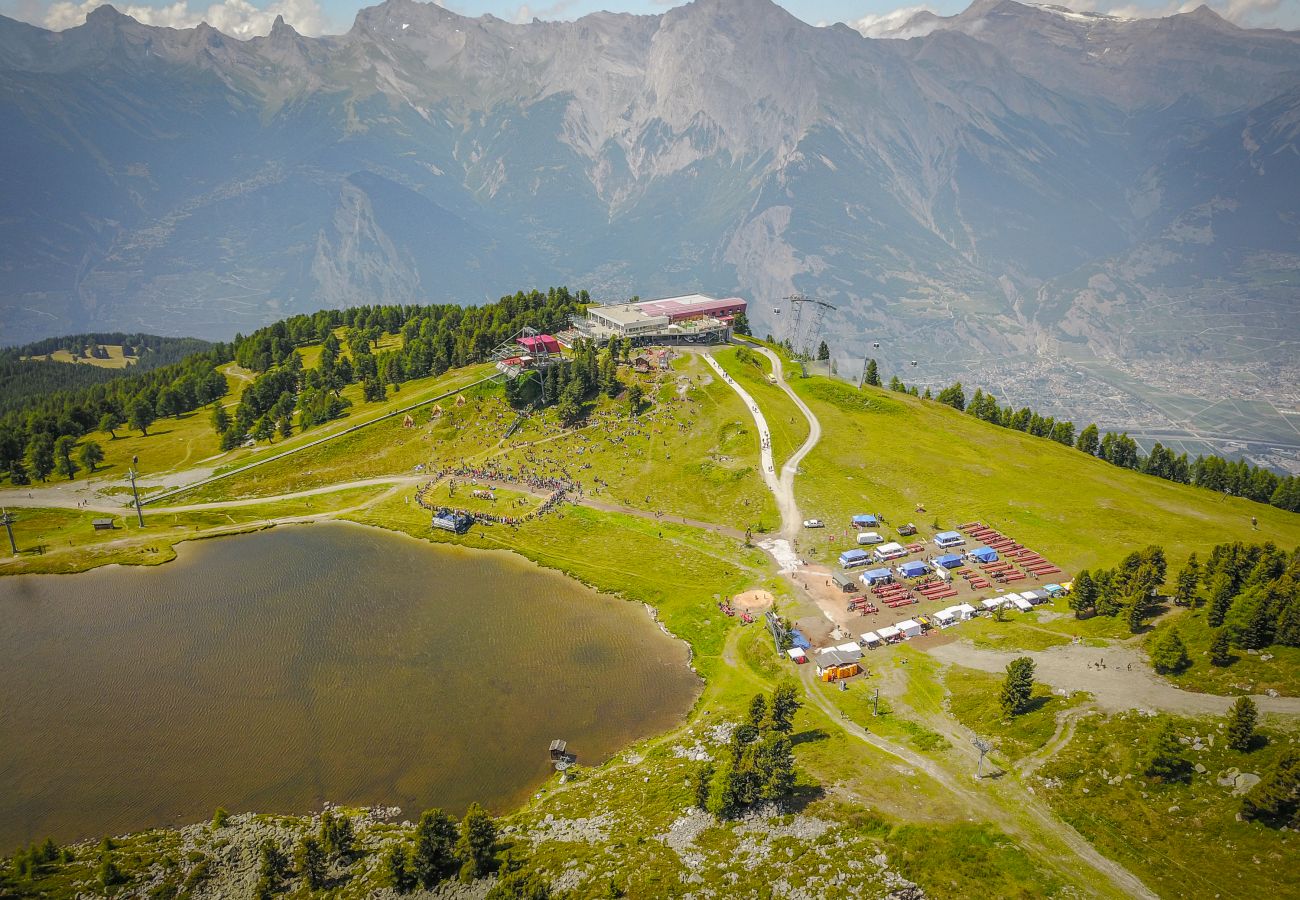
column 38, row 431
column 22, row 377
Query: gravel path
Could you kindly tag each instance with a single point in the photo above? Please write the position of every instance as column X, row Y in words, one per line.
column 1126, row 682
column 783, row 490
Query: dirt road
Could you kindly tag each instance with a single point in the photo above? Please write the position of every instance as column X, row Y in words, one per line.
column 1051, row 827
column 1126, row 682
column 1119, row 877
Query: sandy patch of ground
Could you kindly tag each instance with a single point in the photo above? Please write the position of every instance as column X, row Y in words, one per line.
column 753, row 601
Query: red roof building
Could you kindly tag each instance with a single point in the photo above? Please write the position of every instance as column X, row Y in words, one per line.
column 541, row 343
column 692, row 306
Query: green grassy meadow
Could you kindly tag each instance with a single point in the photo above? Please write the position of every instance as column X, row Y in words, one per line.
column 1183, row 840
column 883, row 451
column 692, row 452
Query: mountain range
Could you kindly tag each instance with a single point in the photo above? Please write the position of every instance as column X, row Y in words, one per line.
column 1015, row 180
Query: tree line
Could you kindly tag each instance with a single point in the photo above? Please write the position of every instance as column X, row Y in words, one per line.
column 1251, row 595
column 1250, row 592
column 1129, row 589
column 322, row 859
column 433, row 339
column 571, row 384
column 758, row 764
column 39, row 434
column 22, row 378
column 1235, row 477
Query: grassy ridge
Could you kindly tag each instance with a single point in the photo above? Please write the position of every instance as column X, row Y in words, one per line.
column 787, row 424
column 887, row 452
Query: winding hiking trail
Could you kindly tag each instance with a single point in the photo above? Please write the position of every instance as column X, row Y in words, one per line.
column 782, row 488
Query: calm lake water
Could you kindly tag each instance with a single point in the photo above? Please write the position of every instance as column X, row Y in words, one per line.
column 277, row 670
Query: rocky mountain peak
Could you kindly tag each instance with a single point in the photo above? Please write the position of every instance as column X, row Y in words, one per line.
column 1205, row 16
column 106, row 15
column 281, row 29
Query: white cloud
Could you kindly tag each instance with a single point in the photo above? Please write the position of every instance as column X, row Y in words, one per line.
column 553, row 11
column 1251, row 10
column 889, row 24
column 237, row 18
column 1247, row 13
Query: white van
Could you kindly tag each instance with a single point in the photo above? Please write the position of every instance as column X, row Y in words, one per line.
column 870, row 537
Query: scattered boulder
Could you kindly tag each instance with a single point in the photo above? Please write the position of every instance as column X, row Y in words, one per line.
column 1244, row 782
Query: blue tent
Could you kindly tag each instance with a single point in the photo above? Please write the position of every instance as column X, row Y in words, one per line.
column 876, row 576
column 854, row 558
column 865, row 520
column 797, row 638
column 984, row 554
column 913, row 569
column 948, row 561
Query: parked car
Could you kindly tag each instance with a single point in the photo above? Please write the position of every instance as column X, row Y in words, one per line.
column 813, row 523
column 870, row 537
column 907, row 529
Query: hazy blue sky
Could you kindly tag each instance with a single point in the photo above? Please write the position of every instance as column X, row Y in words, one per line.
column 244, row 18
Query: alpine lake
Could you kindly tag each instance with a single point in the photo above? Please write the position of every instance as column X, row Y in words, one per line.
column 279, row 670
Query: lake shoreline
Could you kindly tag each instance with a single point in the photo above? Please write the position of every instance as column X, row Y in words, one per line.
column 517, row 569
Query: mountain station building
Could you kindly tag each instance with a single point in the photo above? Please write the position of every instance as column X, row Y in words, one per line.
column 689, row 319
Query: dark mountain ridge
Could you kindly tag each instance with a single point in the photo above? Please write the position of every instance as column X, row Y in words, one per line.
column 1018, row 177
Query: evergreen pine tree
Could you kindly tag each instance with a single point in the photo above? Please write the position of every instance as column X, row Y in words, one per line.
column 1087, row 441
column 91, row 455
column 1169, row 655
column 1136, row 611
column 1163, row 758
column 110, row 422
column 309, row 860
column 477, row 844
column 1189, row 578
column 873, row 374
column 722, row 791
column 1259, row 627
column 1287, row 631
column 1017, row 687
column 1107, row 603
column 785, row 703
column 1083, row 594
column 1275, row 800
column 109, row 874
column 1222, row 592
column 63, row 448
column 1220, row 648
column 142, row 415
column 1241, row 724
column 397, row 869
column 434, row 857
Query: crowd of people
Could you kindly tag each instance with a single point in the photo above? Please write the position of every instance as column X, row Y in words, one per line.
column 559, row 487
